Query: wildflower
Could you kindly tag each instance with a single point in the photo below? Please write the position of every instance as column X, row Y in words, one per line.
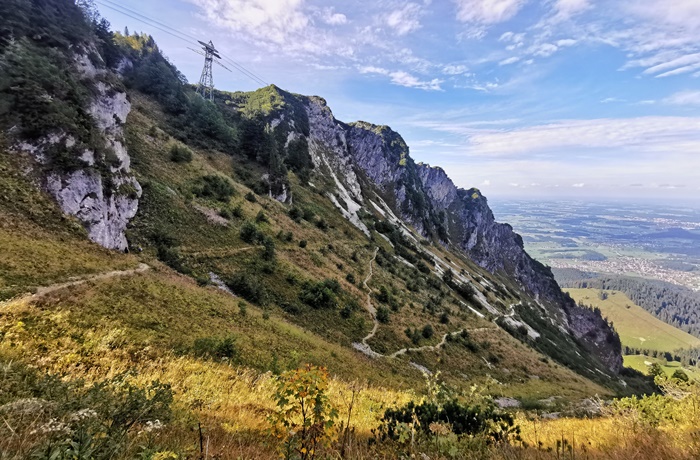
column 152, row 426
column 82, row 414
column 53, row 426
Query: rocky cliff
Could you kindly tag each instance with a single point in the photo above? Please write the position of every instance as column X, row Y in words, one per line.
column 97, row 186
column 372, row 168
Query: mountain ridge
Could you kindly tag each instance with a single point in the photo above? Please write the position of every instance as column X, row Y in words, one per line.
column 271, row 143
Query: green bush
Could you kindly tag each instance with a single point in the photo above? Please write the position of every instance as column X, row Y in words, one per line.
column 350, row 278
column 213, row 347
column 261, row 218
column 214, row 186
column 427, row 331
column 296, row 214
column 302, row 244
column 180, row 154
column 463, row 420
column 248, row 286
column 383, row 315
column 321, row 295
column 250, row 196
column 250, row 233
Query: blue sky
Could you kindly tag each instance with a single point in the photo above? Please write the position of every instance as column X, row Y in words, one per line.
column 521, row 98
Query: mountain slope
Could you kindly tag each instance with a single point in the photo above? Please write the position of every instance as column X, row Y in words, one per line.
column 268, row 196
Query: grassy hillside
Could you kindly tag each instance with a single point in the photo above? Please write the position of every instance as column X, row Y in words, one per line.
column 637, row 327
column 642, row 363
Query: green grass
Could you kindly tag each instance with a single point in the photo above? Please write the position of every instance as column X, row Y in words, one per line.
column 637, row 327
column 38, row 244
column 642, row 363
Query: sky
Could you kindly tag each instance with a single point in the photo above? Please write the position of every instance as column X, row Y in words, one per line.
column 520, row 98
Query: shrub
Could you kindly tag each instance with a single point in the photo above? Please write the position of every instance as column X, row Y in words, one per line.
column 321, row 295
column 302, row 244
column 427, row 331
column 322, row 224
column 350, row 278
column 444, row 318
column 422, row 267
column 304, row 417
column 250, row 196
column 309, row 215
column 248, row 286
column 249, row 233
column 463, row 420
column 212, row 347
column 296, row 214
column 180, row 154
column 383, row 315
column 214, row 186
column 269, row 251
column 261, row 217
column 237, row 211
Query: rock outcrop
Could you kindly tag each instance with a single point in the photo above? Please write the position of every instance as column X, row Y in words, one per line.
column 102, row 194
column 426, row 199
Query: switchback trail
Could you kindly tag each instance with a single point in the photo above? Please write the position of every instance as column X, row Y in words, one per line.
column 43, row 290
column 365, row 348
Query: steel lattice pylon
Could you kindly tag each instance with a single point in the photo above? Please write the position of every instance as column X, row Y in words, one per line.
column 205, row 88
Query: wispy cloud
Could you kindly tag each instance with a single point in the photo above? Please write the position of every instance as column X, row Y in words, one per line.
column 405, row 19
column 684, row 98
column 487, row 11
column 641, row 135
column 402, row 78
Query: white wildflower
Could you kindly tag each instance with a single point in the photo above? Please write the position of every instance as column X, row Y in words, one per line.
column 82, row 414
column 53, row 426
column 151, row 426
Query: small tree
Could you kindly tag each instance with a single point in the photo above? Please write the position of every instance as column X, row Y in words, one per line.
column 304, row 419
column 383, row 315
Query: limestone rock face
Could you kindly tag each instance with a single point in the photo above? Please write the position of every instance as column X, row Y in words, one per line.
column 104, row 207
column 426, row 199
column 82, row 194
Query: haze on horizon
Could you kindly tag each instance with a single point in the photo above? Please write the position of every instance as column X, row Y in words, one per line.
column 531, row 98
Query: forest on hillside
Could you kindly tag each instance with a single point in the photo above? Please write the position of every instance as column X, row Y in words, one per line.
column 673, row 304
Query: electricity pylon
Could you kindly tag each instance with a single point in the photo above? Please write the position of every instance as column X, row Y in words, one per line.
column 205, row 88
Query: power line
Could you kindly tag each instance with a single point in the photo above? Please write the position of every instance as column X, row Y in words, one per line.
column 175, row 33
column 122, row 7
column 147, row 23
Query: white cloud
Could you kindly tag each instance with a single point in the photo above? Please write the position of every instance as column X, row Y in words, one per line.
column 402, row 78
column 406, row 19
column 453, row 69
column 642, row 135
column 510, row 60
column 544, row 49
column 684, row 98
column 609, row 100
column 566, row 9
column 487, row 11
column 578, row 185
column 332, row 18
column 486, row 183
column 267, row 20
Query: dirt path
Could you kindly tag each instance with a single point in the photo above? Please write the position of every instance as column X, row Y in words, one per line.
column 439, row 345
column 43, row 290
column 365, row 348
